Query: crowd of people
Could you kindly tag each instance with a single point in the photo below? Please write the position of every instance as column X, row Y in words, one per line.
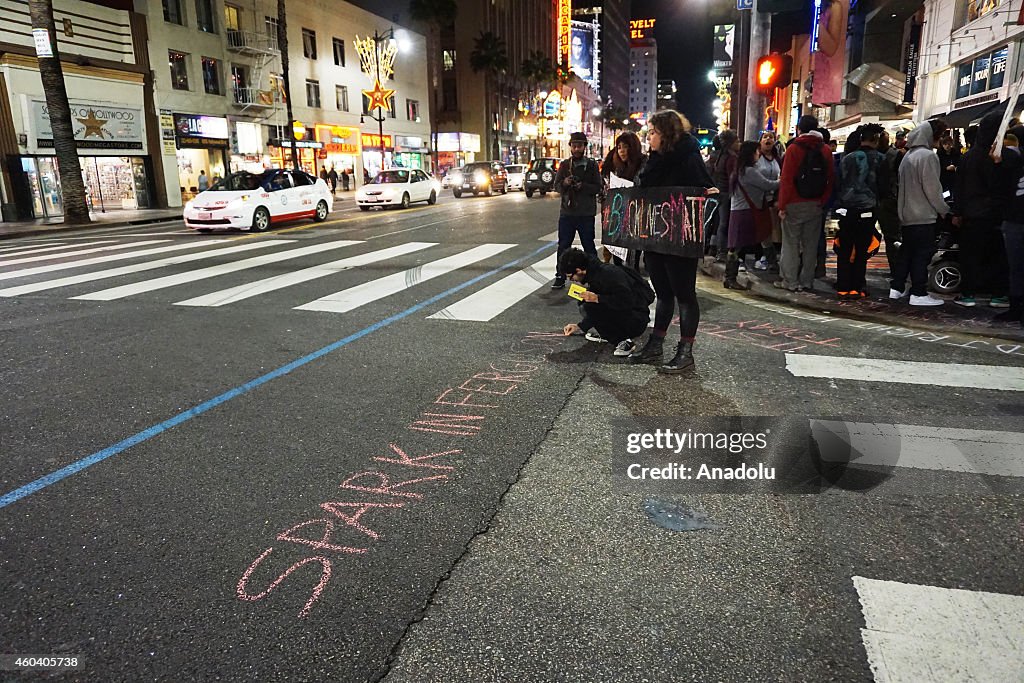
column 774, row 202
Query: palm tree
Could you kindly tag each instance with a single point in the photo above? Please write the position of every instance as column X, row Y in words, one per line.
column 490, row 57
column 76, row 210
column 437, row 15
column 282, row 45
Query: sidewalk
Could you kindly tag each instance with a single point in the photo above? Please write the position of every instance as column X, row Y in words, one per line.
column 877, row 308
column 111, row 219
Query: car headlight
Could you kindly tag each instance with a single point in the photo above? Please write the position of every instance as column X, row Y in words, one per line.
column 188, row 205
column 480, row 177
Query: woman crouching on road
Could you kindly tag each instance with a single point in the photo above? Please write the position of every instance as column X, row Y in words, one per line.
column 674, row 160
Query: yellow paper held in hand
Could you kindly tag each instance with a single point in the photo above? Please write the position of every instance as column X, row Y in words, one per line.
column 576, row 291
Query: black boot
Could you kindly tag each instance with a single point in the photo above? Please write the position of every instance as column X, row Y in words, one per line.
column 1013, row 314
column 682, row 361
column 652, row 350
column 732, row 269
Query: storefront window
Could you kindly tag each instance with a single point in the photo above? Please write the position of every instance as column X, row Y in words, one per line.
column 987, row 72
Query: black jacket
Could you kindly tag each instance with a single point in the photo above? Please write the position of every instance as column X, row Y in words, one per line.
column 614, row 289
column 976, row 188
column 946, row 159
column 680, row 166
column 581, row 201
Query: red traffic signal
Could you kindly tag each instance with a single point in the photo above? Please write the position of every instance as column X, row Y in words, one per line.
column 774, row 71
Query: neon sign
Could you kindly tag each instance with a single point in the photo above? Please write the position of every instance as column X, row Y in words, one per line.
column 564, row 23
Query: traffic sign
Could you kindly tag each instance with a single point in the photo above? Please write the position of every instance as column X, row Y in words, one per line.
column 744, row 4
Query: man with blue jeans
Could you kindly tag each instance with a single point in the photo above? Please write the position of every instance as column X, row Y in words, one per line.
column 919, row 202
column 579, row 182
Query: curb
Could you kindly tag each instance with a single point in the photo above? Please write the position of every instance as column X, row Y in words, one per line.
column 59, row 227
column 884, row 313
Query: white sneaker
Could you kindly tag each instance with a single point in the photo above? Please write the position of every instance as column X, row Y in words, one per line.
column 743, row 268
column 897, row 294
column 926, row 300
column 595, row 336
column 761, row 263
column 624, row 348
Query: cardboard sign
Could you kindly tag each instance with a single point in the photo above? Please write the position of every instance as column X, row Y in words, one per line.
column 665, row 220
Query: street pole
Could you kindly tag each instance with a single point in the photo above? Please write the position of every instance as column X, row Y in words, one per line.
column 380, row 110
column 760, row 31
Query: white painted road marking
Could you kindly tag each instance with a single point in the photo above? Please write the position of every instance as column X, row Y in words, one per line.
column 136, row 268
column 974, row 451
column 494, row 299
column 127, row 245
column 270, row 284
column 997, row 377
column 26, row 250
column 925, row 633
column 212, row 271
column 354, row 297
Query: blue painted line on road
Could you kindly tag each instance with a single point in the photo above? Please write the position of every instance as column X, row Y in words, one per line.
column 146, row 434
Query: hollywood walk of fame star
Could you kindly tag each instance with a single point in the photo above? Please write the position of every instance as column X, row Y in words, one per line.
column 93, row 125
column 379, row 96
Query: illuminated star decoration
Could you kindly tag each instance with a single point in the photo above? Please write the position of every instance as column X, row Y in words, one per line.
column 379, row 96
column 93, row 125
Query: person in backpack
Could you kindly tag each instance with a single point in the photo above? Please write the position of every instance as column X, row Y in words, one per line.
column 980, row 205
column 674, row 161
column 616, row 303
column 859, row 170
column 804, row 187
column 578, row 181
column 919, row 204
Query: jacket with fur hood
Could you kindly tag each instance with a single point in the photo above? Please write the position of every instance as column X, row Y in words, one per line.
column 920, row 188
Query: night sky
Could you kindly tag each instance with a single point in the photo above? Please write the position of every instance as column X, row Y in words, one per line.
column 684, row 32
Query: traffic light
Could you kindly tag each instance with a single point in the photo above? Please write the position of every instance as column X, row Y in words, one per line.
column 774, row 71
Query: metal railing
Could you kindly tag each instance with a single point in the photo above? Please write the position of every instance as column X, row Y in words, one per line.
column 252, row 42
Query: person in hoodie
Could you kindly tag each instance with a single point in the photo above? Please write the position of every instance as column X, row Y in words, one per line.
column 578, row 181
column 979, row 206
column 674, row 160
column 920, row 204
column 1010, row 166
column 862, row 172
column 949, row 160
column 801, row 198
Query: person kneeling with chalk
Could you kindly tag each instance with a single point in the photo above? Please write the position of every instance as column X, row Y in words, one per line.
column 616, row 301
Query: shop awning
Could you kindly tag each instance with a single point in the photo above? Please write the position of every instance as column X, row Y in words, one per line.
column 962, row 118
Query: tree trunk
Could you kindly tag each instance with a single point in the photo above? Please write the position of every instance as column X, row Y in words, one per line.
column 434, row 55
column 76, row 210
column 282, row 45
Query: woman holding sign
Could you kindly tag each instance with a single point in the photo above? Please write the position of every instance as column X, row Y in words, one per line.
column 674, row 161
column 619, row 169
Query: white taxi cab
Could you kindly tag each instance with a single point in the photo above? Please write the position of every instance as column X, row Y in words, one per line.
column 255, row 201
column 398, row 187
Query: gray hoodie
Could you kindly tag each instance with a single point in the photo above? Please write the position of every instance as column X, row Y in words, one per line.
column 920, row 190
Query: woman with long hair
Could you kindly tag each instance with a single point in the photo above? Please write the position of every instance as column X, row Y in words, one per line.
column 770, row 165
column 747, row 195
column 625, row 159
column 674, row 160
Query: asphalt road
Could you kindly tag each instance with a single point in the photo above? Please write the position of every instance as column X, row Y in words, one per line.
column 249, row 466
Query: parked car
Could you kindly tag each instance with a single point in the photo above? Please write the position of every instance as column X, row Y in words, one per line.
column 516, row 176
column 540, row 177
column 398, row 187
column 255, row 201
column 481, row 177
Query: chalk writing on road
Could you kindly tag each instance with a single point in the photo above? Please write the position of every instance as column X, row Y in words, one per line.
column 767, row 335
column 344, row 524
column 666, row 220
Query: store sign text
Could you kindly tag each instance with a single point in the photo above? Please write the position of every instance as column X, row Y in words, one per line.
column 373, row 140
column 96, row 126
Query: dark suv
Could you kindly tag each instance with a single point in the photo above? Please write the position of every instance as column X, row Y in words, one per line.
column 540, row 177
column 481, row 177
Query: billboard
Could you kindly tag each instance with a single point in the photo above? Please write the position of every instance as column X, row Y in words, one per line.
column 581, row 52
column 829, row 46
column 725, row 37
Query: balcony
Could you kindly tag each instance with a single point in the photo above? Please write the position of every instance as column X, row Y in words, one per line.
column 252, row 43
column 253, row 97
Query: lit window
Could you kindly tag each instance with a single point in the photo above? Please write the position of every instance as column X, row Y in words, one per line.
column 313, row 94
column 179, row 69
column 308, row 43
column 211, row 76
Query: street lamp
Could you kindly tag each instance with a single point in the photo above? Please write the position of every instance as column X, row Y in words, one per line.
column 380, row 96
column 598, row 112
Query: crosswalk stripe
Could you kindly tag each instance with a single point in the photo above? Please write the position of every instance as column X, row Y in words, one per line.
column 270, row 284
column 80, row 252
column 931, row 448
column 212, row 271
column 38, row 270
column 494, row 299
column 928, row 633
column 997, row 377
column 24, row 250
column 354, row 297
column 135, row 268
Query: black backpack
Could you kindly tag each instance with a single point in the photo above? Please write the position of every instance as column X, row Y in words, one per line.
column 641, row 289
column 812, row 176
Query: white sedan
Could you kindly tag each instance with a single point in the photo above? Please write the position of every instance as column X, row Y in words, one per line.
column 516, row 176
column 256, row 201
column 398, row 187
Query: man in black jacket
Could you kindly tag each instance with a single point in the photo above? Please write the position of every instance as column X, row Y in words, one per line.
column 579, row 182
column 613, row 302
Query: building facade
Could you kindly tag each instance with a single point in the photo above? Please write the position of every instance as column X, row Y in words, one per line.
column 106, row 78
column 666, row 94
column 643, row 77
